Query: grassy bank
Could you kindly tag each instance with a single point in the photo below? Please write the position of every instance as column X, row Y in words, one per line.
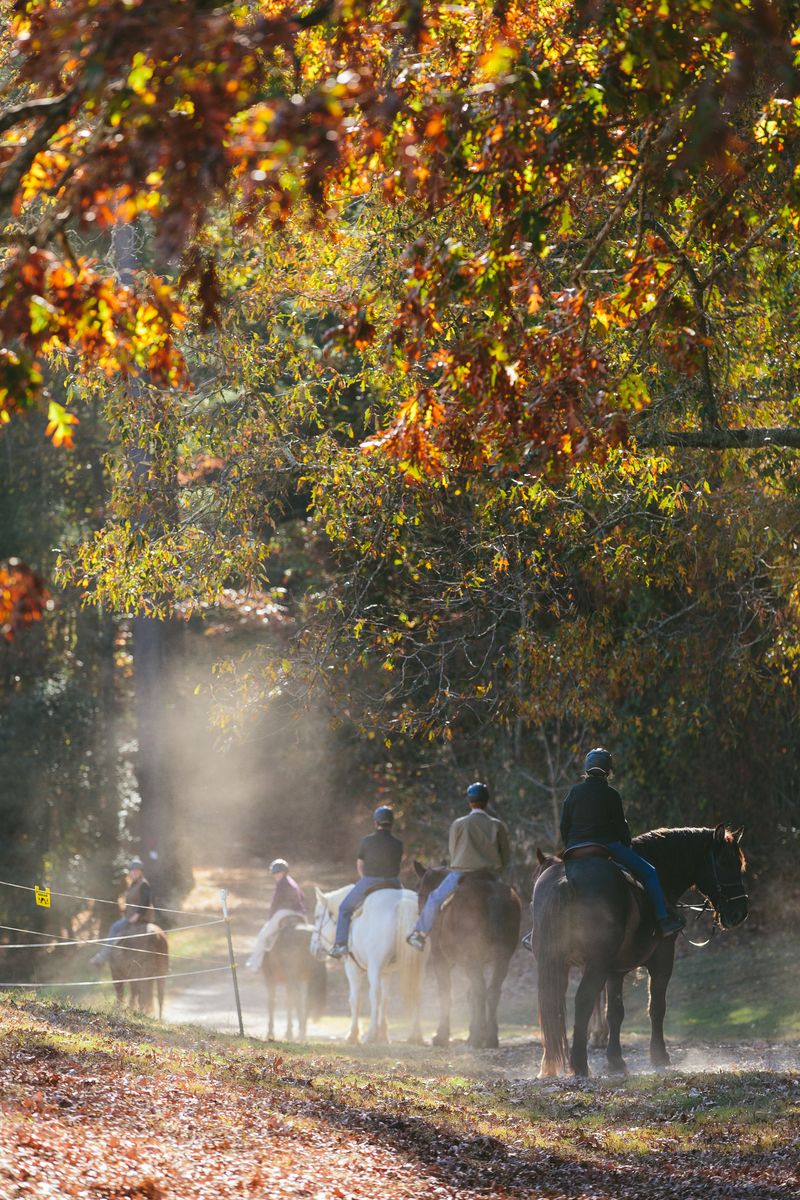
column 98, row 1105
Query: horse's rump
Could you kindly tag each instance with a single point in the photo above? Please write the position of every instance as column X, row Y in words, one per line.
column 482, row 909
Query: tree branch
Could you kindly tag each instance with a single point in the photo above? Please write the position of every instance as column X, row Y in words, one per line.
column 722, row 439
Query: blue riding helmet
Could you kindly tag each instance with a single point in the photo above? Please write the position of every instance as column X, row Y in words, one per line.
column 278, row 864
column 598, row 760
column 383, row 816
column 135, row 863
column 478, row 793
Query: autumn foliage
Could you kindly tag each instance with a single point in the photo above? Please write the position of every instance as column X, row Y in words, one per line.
column 23, row 597
column 602, row 168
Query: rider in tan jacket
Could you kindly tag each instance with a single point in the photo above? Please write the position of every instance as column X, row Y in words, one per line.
column 478, row 842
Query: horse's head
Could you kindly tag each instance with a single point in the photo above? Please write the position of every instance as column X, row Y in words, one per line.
column 721, row 878
column 543, row 861
column 324, row 926
column 429, row 878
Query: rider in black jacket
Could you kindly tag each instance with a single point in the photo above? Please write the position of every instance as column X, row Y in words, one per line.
column 593, row 812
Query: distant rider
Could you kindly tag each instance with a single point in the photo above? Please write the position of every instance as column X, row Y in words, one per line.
column 478, row 842
column 137, row 911
column 378, row 861
column 593, row 813
column 287, row 901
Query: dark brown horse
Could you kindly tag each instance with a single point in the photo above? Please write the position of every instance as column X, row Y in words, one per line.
column 139, row 961
column 476, row 929
column 587, row 915
column 291, row 963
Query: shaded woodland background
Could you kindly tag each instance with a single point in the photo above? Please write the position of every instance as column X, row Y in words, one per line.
column 298, row 774
column 421, row 389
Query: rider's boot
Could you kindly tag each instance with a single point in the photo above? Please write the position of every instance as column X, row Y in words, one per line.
column 671, row 924
column 416, row 939
column 338, row 951
column 527, row 941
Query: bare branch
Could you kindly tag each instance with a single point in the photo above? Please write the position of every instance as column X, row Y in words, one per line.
column 723, row 439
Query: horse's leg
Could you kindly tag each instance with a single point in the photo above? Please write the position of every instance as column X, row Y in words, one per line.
column 499, row 972
column 376, row 1000
column 659, row 967
column 302, row 1009
column 119, row 992
column 441, row 969
column 477, row 1006
column 354, row 981
column 160, row 986
column 615, row 1014
column 270, row 1011
column 589, row 989
column 291, row 1007
column 598, row 1024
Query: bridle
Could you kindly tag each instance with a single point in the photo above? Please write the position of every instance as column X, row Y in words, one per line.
column 725, row 893
column 318, row 927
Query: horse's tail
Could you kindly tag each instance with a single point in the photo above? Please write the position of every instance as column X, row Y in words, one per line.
column 410, row 963
column 553, row 971
column 317, row 990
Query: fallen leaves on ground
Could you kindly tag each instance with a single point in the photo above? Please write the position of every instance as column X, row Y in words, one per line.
column 95, row 1108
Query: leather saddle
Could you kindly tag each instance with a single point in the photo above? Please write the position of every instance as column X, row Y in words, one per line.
column 586, row 850
column 381, row 886
column 583, row 850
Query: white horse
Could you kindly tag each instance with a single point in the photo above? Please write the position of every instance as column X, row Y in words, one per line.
column 377, row 946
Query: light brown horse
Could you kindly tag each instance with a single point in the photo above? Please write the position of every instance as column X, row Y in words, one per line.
column 305, row 979
column 476, row 929
column 139, row 961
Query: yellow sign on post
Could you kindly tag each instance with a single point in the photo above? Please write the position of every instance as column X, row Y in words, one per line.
column 42, row 896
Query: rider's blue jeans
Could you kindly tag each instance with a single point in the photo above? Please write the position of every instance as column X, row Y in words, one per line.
column 436, row 900
column 117, row 930
column 645, row 872
column 351, row 903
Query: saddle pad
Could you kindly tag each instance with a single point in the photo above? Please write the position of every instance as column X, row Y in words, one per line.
column 624, row 872
column 384, row 885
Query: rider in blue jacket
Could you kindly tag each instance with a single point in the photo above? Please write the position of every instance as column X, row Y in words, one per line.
column 378, row 861
column 593, row 812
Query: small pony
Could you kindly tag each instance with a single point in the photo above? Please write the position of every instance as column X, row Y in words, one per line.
column 305, row 979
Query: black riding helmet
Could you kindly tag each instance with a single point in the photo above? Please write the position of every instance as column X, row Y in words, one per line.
column 478, row 793
column 598, row 760
column 383, row 816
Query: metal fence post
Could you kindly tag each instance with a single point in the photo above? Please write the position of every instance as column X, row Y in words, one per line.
column 224, row 898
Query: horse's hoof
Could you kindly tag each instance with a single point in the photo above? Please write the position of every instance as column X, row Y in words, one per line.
column 659, row 1061
column 616, row 1066
column 439, row 1039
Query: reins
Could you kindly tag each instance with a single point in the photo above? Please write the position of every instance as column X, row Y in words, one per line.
column 706, row 906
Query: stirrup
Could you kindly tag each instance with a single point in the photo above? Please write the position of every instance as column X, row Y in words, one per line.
column 527, row 941
column 339, row 951
column 416, row 939
column 671, row 924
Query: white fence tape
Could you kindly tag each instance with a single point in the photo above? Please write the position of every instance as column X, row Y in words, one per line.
column 176, row 912
column 106, row 982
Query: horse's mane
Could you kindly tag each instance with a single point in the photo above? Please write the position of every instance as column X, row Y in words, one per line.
column 672, row 851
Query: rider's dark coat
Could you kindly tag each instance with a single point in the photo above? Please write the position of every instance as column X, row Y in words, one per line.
column 593, row 812
column 138, row 908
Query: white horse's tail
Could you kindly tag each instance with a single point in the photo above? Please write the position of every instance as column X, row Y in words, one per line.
column 410, row 963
